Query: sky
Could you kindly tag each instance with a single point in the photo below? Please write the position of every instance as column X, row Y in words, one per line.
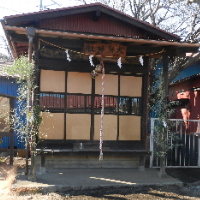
column 13, row 7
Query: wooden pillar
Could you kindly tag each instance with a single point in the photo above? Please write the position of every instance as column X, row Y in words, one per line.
column 118, row 107
column 65, row 108
column 30, row 102
column 42, row 159
column 30, row 31
column 144, row 111
column 145, row 95
column 165, row 75
column 92, row 110
column 142, row 163
column 35, row 55
column 11, row 134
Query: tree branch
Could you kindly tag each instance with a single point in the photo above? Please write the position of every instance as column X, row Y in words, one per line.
column 180, row 65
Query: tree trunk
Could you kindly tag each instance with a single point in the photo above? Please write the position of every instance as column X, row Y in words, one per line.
column 162, row 172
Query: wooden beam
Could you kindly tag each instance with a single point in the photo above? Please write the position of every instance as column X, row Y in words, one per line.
column 64, row 42
column 180, row 51
column 8, row 96
column 165, row 75
column 97, row 15
column 84, row 66
column 143, row 49
column 22, row 38
column 132, row 48
column 5, row 134
column 63, row 144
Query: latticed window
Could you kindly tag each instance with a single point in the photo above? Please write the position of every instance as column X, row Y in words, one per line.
column 82, row 103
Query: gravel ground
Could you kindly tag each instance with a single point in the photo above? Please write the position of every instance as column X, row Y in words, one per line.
column 145, row 193
column 190, row 190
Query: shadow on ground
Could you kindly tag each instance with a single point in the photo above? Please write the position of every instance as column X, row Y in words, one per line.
column 185, row 175
column 142, row 192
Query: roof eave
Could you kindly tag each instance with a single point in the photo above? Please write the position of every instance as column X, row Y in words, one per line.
column 102, row 37
column 23, row 18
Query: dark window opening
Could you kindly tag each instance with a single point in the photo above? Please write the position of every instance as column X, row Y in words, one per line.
column 129, row 105
column 78, row 103
column 52, row 101
column 110, row 104
column 81, row 103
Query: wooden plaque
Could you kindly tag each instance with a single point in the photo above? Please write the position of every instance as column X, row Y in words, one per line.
column 112, row 49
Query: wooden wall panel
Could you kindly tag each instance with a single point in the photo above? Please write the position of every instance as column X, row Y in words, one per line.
column 52, row 126
column 110, row 85
column 52, row 81
column 78, row 126
column 129, row 128
column 79, row 83
column 4, row 113
column 130, row 86
column 109, row 127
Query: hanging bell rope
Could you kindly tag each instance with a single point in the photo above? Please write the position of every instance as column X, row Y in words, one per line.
column 102, row 113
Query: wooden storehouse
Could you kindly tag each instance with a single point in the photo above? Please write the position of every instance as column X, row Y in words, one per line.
column 67, row 45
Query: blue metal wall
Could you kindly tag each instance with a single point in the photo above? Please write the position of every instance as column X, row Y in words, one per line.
column 9, row 87
column 188, row 72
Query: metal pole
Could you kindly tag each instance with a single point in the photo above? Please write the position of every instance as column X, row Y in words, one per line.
column 41, row 6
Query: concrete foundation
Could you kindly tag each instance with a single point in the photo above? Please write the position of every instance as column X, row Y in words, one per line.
column 67, row 162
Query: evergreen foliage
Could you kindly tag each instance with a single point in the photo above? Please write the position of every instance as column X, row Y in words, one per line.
column 165, row 136
column 26, row 119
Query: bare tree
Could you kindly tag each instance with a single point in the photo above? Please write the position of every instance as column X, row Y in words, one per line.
column 193, row 1
column 175, row 16
column 4, row 45
column 180, row 17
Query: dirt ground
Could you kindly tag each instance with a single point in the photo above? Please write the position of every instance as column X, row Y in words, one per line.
column 190, row 190
column 140, row 193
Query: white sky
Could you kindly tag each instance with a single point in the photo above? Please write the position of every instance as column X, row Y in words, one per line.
column 13, row 7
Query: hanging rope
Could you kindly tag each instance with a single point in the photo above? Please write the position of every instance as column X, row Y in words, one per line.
column 81, row 53
column 102, row 113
